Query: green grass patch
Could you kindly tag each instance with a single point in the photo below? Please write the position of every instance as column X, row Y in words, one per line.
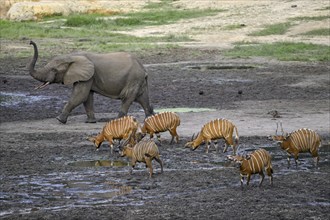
column 84, row 20
column 282, row 28
column 318, row 32
column 161, row 17
column 234, row 27
column 284, row 51
column 273, row 29
column 98, row 32
column 94, row 25
column 324, row 9
column 163, row 4
column 305, row 18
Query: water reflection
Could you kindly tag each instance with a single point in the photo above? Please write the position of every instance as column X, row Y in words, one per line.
column 184, row 110
column 99, row 163
column 8, row 99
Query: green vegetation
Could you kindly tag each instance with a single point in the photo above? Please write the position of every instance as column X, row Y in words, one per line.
column 285, row 51
column 282, row 28
column 233, row 27
column 323, row 9
column 104, row 33
column 99, row 32
column 274, row 29
column 318, row 32
column 84, row 20
column 161, row 17
column 304, row 18
column 163, row 4
column 137, row 19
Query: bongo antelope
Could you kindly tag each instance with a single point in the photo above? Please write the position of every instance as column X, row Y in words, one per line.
column 299, row 141
column 213, row 130
column 121, row 128
column 254, row 163
column 144, row 151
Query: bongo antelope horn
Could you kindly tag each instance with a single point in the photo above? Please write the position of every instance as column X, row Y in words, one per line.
column 192, row 137
column 282, row 129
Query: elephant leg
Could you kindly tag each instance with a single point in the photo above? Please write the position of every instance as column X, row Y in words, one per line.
column 80, row 93
column 89, row 108
column 125, row 104
column 143, row 100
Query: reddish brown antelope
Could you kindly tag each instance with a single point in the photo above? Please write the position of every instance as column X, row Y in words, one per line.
column 121, row 128
column 299, row 141
column 254, row 163
column 213, row 130
column 144, row 151
column 161, row 122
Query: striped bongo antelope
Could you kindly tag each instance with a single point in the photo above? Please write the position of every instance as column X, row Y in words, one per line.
column 164, row 121
column 214, row 130
column 254, row 163
column 121, row 128
column 144, row 151
column 299, row 141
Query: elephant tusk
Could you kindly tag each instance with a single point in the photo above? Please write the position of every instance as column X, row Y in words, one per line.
column 42, row 85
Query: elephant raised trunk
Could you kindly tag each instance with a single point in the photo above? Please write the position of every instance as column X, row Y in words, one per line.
column 39, row 75
column 34, row 59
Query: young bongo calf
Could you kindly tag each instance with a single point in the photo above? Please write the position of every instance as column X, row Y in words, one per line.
column 121, row 128
column 254, row 163
column 144, row 151
column 213, row 130
column 299, row 141
column 164, row 121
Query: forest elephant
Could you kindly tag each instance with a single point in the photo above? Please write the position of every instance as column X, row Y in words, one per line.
column 116, row 75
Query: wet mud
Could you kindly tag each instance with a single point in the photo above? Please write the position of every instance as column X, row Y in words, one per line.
column 57, row 174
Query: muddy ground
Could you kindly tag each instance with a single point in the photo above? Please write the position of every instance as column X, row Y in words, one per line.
column 49, row 170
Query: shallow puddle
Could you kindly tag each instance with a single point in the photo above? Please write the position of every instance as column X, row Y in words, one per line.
column 95, row 187
column 220, row 67
column 99, row 163
column 8, row 99
column 184, row 110
column 67, row 190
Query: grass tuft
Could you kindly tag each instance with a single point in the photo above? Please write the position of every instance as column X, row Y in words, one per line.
column 83, row 20
column 274, row 29
column 284, row 51
column 318, row 32
column 305, row 18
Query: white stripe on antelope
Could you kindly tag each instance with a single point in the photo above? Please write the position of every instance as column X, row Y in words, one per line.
column 161, row 122
column 214, row 130
column 254, row 163
column 144, row 151
column 299, row 141
column 121, row 128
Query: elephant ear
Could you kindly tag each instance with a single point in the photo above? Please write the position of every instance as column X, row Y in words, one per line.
column 81, row 69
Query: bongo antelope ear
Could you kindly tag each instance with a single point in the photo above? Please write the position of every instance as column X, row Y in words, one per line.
column 285, row 136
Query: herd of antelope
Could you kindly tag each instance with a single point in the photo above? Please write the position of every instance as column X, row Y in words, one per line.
column 144, row 150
